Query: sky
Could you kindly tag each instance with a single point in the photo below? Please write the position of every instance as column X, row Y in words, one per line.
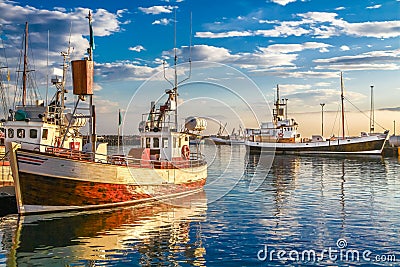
column 240, row 51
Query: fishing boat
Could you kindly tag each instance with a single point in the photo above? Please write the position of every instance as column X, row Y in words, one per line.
column 281, row 136
column 34, row 125
column 235, row 138
column 220, row 138
column 49, row 178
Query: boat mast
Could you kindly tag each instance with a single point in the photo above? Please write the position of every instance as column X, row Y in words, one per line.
column 175, row 78
column 277, row 96
column 92, row 121
column 277, row 105
column 342, row 97
column 24, row 73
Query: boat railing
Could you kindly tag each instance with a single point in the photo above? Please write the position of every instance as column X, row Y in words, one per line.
column 195, row 160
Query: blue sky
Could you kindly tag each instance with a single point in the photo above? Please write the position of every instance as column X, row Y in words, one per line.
column 302, row 45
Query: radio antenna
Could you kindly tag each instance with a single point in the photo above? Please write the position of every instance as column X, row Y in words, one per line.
column 190, row 51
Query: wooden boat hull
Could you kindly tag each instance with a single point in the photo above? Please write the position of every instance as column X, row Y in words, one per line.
column 47, row 183
column 370, row 145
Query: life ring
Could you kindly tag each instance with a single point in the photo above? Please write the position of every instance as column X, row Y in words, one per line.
column 185, row 152
column 280, row 135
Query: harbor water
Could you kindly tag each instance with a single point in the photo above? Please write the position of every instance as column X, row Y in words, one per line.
column 280, row 211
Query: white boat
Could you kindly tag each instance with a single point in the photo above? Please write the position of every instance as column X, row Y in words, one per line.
column 49, row 178
column 281, row 136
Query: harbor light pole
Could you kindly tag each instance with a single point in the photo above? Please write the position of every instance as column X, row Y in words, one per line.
column 322, row 118
column 372, row 116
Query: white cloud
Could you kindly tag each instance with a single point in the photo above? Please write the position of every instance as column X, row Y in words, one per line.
column 223, row 34
column 105, row 105
column 323, row 84
column 290, row 88
column 377, row 29
column 340, row 8
column 373, row 60
column 282, row 2
column 344, row 48
column 374, row 7
column 266, row 58
column 137, row 48
column 317, row 25
column 13, row 18
column 97, row 87
column 162, row 21
column 155, row 10
column 61, row 9
column 128, row 70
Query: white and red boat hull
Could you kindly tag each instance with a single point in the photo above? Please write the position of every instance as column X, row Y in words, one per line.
column 48, row 183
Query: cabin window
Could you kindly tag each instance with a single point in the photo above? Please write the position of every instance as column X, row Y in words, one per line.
column 165, row 142
column 186, row 138
column 10, row 133
column 45, row 134
column 147, row 142
column 2, row 132
column 180, row 142
column 33, row 133
column 21, row 133
column 156, row 142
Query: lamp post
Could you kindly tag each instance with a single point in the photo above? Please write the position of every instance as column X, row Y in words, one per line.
column 371, row 117
column 322, row 119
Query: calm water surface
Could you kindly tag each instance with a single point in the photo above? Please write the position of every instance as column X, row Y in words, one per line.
column 301, row 205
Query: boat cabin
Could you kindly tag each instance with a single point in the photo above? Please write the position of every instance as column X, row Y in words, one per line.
column 29, row 127
column 166, row 145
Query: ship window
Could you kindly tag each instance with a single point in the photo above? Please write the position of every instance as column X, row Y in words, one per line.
column 10, row 133
column 180, row 142
column 165, row 142
column 33, row 133
column 2, row 132
column 21, row 133
column 156, row 142
column 147, row 142
column 45, row 134
column 186, row 138
column 174, row 142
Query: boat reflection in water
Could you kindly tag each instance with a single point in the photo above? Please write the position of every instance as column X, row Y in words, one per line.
column 141, row 235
